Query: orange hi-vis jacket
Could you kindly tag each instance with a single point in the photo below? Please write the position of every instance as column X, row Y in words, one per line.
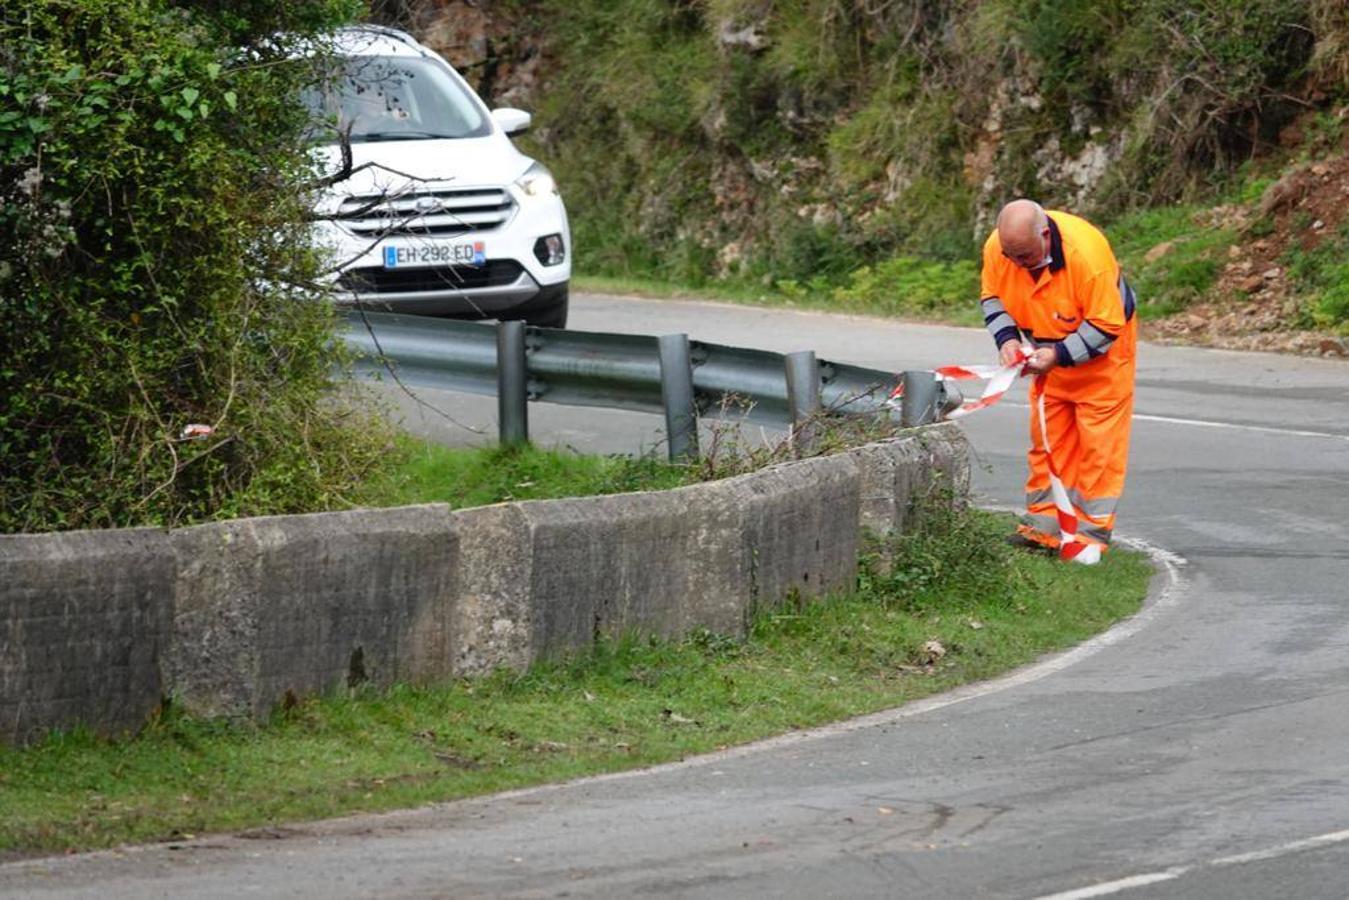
column 1080, row 304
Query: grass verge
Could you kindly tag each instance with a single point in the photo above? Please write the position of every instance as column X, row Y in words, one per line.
column 956, row 605
column 464, row 477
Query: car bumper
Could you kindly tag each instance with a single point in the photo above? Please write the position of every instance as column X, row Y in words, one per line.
column 480, row 302
column 509, row 278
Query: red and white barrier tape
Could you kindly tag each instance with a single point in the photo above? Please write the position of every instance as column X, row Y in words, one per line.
column 1000, row 379
column 1070, row 545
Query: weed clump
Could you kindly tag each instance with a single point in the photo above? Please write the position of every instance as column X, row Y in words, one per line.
column 954, row 558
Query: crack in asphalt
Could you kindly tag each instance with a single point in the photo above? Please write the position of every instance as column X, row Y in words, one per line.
column 1240, row 552
column 1193, row 719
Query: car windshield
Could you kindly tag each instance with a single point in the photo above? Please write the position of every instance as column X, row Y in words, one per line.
column 387, row 98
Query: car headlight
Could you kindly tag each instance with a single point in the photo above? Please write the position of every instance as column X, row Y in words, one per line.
column 537, row 181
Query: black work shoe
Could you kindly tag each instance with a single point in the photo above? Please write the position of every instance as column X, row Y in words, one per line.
column 1016, row 539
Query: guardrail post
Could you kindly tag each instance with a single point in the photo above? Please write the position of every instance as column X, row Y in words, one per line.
column 676, row 394
column 512, row 378
column 803, row 399
column 922, row 395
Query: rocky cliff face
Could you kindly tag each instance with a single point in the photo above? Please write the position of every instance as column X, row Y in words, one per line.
column 490, row 44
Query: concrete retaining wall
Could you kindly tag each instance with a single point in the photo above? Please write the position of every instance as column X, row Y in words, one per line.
column 84, row 620
column 307, row 603
column 96, row 628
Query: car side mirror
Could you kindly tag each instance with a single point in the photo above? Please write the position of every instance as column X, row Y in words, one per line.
column 512, row 121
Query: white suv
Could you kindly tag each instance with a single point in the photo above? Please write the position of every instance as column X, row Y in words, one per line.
column 441, row 214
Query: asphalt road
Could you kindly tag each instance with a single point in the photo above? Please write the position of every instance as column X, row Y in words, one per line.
column 1197, row 751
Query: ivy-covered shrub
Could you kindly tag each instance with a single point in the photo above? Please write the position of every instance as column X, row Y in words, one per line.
column 154, row 269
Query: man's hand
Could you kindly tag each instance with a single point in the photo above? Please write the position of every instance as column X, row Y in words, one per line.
column 1041, row 361
column 1009, row 353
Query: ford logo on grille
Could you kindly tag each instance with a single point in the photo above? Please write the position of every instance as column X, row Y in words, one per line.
column 429, row 204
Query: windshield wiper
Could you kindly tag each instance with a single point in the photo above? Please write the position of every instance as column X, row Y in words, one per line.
column 398, row 136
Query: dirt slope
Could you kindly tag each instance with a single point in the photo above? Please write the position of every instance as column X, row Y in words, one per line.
column 1255, row 300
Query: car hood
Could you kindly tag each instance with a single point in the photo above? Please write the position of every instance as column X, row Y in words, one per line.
column 397, row 165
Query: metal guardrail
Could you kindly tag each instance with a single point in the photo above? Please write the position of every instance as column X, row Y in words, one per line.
column 672, row 375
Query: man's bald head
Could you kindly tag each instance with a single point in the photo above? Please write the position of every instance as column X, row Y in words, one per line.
column 1021, row 232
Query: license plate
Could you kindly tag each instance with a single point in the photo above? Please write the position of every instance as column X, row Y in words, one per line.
column 397, row 256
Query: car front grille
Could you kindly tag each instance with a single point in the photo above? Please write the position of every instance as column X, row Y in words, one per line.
column 376, row 280
column 423, row 213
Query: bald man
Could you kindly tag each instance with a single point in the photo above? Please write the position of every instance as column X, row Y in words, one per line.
column 1051, row 287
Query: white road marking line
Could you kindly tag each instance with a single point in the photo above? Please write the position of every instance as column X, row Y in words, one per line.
column 1206, row 423
column 1234, row 426
column 1106, row 888
column 1113, row 887
column 1321, row 840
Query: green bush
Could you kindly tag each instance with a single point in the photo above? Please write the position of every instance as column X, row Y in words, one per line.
column 908, row 286
column 1331, row 309
column 154, row 269
column 1321, row 277
column 1183, row 274
column 1219, row 79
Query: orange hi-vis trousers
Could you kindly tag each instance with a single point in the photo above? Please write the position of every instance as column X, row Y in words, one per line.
column 1089, row 440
